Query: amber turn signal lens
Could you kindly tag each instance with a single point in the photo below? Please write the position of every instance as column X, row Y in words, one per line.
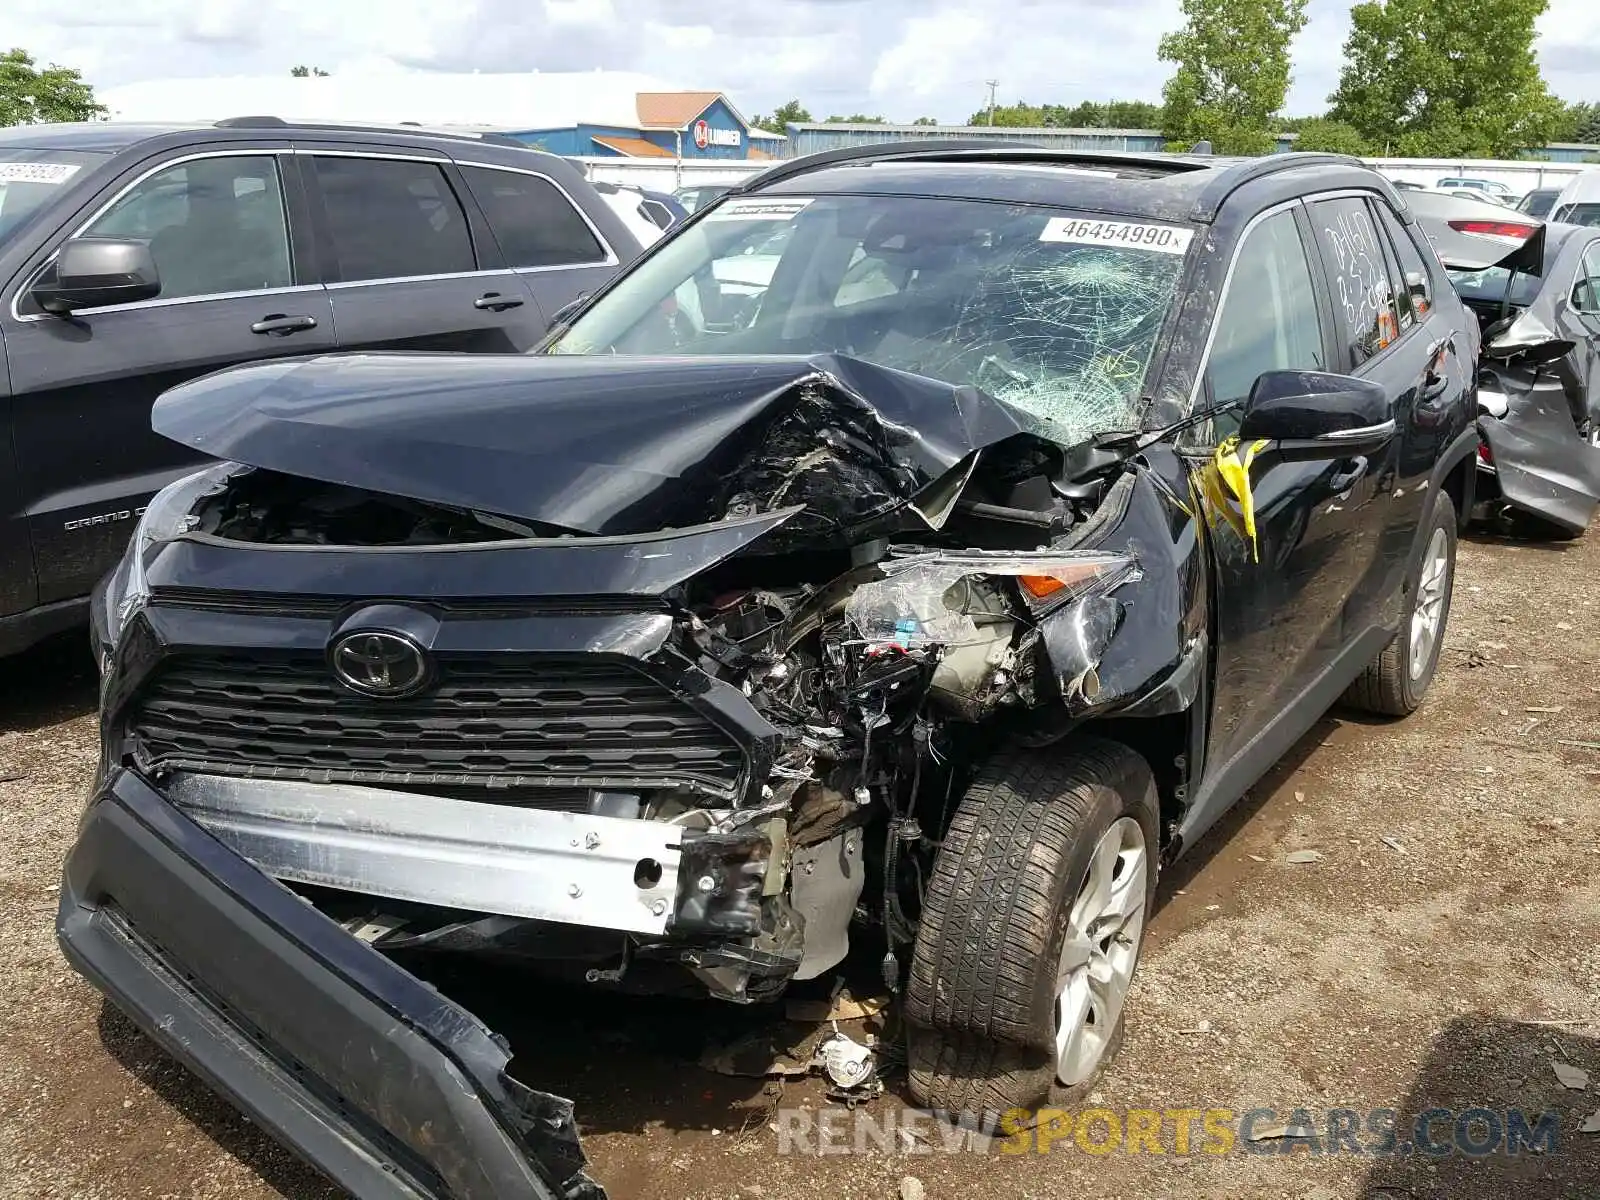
column 1040, row 586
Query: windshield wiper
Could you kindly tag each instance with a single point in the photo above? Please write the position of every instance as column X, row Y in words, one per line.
column 1129, row 442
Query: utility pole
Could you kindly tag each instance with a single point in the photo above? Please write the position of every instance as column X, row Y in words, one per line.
column 993, row 83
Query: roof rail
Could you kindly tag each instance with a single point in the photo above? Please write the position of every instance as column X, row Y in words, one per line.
column 880, row 150
column 487, row 137
column 1230, row 179
column 957, row 149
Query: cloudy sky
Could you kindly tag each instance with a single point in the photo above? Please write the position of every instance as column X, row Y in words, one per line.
column 903, row 58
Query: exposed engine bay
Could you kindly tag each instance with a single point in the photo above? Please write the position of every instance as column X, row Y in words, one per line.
column 751, row 761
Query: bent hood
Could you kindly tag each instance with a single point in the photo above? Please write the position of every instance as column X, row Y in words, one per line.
column 602, row 444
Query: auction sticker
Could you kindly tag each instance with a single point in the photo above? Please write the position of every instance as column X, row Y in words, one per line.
column 1086, row 231
column 36, row 172
column 760, row 210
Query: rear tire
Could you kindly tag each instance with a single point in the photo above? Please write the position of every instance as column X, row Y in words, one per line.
column 1395, row 682
column 993, row 971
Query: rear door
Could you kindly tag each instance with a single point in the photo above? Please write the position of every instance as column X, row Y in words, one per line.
column 1390, row 332
column 228, row 232
column 406, row 267
column 541, row 232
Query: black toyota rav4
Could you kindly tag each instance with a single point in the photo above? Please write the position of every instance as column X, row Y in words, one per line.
column 912, row 553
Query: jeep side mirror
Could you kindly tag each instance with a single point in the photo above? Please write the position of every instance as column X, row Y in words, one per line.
column 93, row 271
column 1315, row 414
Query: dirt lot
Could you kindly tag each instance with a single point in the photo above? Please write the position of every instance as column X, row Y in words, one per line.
column 1440, row 954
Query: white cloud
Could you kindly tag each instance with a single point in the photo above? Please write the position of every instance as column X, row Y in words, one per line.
column 903, row 58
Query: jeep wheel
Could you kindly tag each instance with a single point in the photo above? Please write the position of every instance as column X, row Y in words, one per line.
column 1031, row 930
column 1396, row 681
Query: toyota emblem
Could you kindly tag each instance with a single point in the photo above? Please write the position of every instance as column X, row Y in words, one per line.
column 379, row 663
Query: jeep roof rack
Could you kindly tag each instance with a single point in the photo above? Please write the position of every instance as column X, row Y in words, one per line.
column 266, row 121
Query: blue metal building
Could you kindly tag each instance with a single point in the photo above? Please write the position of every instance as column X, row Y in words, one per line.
column 690, row 125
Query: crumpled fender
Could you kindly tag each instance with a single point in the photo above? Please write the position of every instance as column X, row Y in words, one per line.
column 1142, row 665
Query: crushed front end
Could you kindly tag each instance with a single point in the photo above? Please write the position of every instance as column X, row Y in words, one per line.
column 699, row 757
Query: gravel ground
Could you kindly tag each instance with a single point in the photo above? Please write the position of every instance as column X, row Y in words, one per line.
column 1441, row 953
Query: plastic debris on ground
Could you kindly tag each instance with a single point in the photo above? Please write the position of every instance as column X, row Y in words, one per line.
column 1570, row 1076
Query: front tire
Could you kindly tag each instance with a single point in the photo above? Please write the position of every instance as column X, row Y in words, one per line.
column 1395, row 682
column 1031, row 929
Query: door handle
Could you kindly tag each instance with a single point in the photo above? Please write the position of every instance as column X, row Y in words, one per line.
column 495, row 302
column 281, row 325
column 1434, row 380
column 1348, row 475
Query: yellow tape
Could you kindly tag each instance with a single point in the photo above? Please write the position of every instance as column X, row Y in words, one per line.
column 1234, row 469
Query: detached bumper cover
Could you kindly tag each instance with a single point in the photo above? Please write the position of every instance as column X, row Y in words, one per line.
column 359, row 1067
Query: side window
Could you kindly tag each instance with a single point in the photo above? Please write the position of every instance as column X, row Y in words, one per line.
column 1358, row 274
column 213, row 224
column 391, row 217
column 1269, row 318
column 1586, row 291
column 1415, row 297
column 534, row 223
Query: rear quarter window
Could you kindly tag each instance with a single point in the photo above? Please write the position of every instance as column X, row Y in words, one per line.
column 534, row 222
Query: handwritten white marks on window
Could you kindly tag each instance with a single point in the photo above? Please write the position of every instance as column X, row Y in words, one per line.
column 1361, row 281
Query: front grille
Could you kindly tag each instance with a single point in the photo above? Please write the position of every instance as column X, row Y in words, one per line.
column 329, row 607
column 502, row 725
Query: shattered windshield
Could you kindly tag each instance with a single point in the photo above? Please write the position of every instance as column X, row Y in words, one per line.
column 1056, row 313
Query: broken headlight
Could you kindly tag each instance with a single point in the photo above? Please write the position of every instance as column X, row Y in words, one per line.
column 168, row 515
column 929, row 597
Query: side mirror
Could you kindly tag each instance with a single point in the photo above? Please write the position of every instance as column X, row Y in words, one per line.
column 1314, row 414
column 93, row 271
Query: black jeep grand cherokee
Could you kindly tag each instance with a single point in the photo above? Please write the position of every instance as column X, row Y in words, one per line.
column 916, row 550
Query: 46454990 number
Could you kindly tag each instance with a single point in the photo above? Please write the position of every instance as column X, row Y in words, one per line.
column 1086, row 231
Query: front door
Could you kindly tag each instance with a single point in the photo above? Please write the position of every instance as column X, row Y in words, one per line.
column 231, row 291
column 1279, row 594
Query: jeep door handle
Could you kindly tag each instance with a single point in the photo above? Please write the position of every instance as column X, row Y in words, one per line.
column 281, row 325
column 1348, row 475
column 495, row 302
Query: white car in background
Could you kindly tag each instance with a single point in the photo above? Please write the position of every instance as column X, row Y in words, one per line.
column 1478, row 189
column 1478, row 194
column 629, row 205
column 1579, row 201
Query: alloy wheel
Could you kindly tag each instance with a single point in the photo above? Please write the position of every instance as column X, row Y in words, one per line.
column 1427, row 615
column 1104, row 929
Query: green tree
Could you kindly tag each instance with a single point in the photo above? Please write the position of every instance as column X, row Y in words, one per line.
column 307, row 72
column 856, row 119
column 1232, row 72
column 1454, row 78
column 792, row 113
column 1016, row 116
column 1333, row 137
column 1578, row 123
column 29, row 95
column 926, row 121
column 1090, row 114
